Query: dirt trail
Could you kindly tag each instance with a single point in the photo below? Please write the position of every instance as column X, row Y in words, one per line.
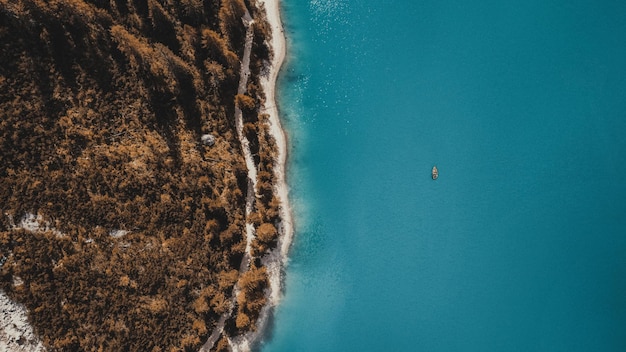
column 251, row 195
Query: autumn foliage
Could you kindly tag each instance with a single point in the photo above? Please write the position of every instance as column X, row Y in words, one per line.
column 102, row 105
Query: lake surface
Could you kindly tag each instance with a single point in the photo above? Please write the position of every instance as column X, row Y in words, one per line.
column 520, row 245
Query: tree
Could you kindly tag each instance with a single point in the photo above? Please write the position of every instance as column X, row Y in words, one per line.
column 266, row 233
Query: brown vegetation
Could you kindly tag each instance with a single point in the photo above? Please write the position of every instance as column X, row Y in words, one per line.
column 251, row 298
column 102, row 105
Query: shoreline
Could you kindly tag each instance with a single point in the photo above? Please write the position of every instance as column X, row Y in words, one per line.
column 276, row 259
column 269, row 87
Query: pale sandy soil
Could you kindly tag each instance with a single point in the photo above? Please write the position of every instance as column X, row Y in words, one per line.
column 252, row 180
column 274, row 261
column 16, row 335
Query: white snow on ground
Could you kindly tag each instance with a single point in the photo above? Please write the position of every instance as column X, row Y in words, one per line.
column 16, row 335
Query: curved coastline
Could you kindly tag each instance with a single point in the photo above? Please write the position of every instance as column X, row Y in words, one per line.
column 272, row 8
column 277, row 258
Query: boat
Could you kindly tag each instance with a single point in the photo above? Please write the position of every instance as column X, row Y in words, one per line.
column 435, row 173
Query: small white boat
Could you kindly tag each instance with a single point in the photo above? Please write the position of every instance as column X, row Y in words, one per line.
column 435, row 173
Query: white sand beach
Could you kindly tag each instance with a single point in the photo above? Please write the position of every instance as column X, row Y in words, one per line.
column 269, row 86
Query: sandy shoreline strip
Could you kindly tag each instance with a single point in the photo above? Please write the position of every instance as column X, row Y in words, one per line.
column 276, row 259
column 268, row 82
column 272, row 8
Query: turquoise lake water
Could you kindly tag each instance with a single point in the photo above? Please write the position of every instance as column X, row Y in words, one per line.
column 520, row 245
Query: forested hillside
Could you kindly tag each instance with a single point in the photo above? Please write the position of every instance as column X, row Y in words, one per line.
column 120, row 227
